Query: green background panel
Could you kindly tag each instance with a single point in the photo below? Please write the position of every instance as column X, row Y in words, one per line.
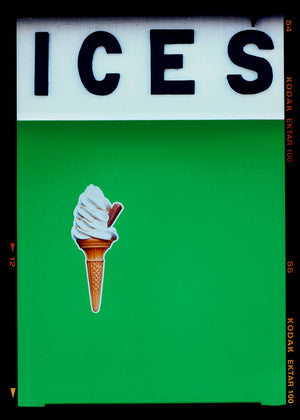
column 193, row 304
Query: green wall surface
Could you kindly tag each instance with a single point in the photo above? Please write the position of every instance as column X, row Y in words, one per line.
column 193, row 303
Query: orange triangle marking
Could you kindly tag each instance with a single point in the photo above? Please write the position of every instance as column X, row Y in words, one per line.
column 12, row 245
column 13, row 390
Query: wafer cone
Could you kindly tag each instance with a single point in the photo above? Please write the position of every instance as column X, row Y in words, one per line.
column 94, row 250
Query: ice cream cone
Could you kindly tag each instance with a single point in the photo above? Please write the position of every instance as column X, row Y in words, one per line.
column 94, row 250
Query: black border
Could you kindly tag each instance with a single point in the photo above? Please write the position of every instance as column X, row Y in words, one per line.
column 9, row 184
column 9, row 209
column 291, row 202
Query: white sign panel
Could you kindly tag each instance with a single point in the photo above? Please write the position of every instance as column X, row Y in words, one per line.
column 184, row 68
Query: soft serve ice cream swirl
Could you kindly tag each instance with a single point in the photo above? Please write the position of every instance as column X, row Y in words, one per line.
column 91, row 216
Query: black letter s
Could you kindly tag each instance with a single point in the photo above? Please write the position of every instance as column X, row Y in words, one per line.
column 238, row 56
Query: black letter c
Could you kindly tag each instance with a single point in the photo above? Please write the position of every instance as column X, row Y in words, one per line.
column 85, row 60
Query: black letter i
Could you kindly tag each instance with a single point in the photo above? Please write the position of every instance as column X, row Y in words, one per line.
column 41, row 63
